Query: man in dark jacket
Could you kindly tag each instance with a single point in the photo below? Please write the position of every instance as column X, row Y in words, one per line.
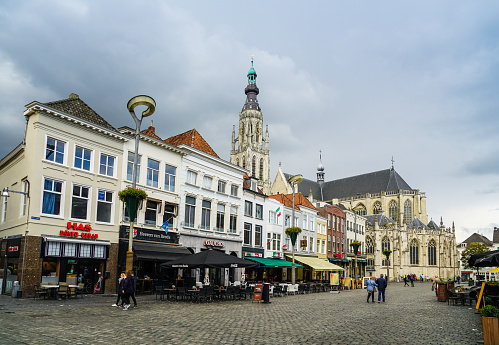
column 381, row 287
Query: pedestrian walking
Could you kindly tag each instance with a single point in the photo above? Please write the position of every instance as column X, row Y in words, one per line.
column 134, row 282
column 382, row 284
column 421, row 278
column 127, row 289
column 405, row 280
column 121, row 281
column 371, row 288
column 411, row 278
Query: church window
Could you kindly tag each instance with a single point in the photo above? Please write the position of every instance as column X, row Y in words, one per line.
column 360, row 210
column 377, row 208
column 385, row 245
column 261, row 169
column 393, row 210
column 414, row 252
column 369, row 245
column 407, row 212
column 253, row 167
column 432, row 253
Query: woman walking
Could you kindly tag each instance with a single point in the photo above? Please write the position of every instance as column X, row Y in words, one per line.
column 127, row 289
column 371, row 284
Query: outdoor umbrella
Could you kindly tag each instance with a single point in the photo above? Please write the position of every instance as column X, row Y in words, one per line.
column 487, row 259
column 209, row 259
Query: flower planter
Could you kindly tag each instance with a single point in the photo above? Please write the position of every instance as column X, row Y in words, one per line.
column 490, row 327
column 442, row 295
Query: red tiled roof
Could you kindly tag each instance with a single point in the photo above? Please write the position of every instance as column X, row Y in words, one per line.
column 287, row 200
column 150, row 132
column 247, row 186
column 194, row 139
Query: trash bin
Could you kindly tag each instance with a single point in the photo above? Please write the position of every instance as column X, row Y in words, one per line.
column 15, row 288
column 266, row 293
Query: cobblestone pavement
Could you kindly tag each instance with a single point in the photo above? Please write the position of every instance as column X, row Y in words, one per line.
column 411, row 315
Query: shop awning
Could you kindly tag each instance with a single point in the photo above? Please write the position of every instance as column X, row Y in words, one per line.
column 495, row 270
column 466, row 271
column 158, row 252
column 276, row 263
column 359, row 260
column 75, row 240
column 318, row 264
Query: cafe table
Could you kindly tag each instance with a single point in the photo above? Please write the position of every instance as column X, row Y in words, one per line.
column 169, row 292
column 52, row 290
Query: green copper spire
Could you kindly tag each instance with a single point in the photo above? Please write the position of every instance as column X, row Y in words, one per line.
column 252, row 74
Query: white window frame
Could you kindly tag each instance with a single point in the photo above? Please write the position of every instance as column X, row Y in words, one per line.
column 234, row 190
column 158, row 204
column 88, row 199
column 64, row 153
column 190, row 176
column 154, row 180
column 90, row 161
column 220, row 217
column 233, row 214
column 170, row 178
column 4, row 209
column 190, row 210
column 221, row 186
column 106, row 193
column 129, row 165
column 205, row 215
column 207, row 182
column 107, row 166
column 62, row 199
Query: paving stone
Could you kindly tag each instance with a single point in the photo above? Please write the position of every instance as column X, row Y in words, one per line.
column 411, row 315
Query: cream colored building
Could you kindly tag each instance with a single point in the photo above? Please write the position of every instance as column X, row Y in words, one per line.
column 321, row 237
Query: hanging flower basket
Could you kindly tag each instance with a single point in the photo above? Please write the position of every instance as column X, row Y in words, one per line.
column 355, row 245
column 387, row 253
column 293, row 232
column 132, row 197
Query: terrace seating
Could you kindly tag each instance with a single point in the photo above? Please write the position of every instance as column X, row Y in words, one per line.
column 159, row 291
column 454, row 297
column 39, row 291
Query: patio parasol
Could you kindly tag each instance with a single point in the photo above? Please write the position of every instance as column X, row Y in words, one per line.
column 487, row 259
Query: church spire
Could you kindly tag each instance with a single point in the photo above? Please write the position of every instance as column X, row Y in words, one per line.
column 251, row 90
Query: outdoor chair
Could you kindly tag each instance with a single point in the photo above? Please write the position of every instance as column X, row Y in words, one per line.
column 39, row 291
column 454, row 297
column 472, row 296
column 159, row 291
column 62, row 292
column 210, row 290
column 278, row 291
column 181, row 293
column 284, row 291
column 250, row 291
column 242, row 293
column 79, row 289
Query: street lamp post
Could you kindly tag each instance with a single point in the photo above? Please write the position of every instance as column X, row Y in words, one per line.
column 294, row 180
column 5, row 194
column 151, row 107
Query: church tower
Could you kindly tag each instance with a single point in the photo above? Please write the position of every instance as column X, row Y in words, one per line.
column 250, row 148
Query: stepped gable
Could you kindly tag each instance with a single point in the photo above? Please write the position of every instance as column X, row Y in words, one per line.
column 194, row 139
column 75, row 107
column 477, row 238
column 287, row 200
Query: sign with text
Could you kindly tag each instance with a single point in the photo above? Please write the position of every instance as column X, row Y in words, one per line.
column 253, row 255
column 149, row 235
column 257, row 294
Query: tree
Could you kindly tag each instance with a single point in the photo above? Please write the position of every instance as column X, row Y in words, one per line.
column 472, row 248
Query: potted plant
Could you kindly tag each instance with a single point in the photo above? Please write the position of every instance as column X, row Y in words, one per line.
column 293, row 232
column 132, row 197
column 490, row 325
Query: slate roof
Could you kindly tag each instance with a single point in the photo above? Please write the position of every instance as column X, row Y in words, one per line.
column 194, row 139
column 287, row 200
column 433, row 225
column 75, row 107
column 374, row 182
column 477, row 238
column 416, row 223
column 382, row 219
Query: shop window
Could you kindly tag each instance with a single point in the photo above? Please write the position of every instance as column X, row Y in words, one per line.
column 190, row 210
column 85, row 250
column 53, row 249
column 259, row 211
column 52, row 193
column 54, row 150
column 79, row 202
column 129, row 166
column 170, row 173
column 206, row 215
column 49, row 267
column 151, row 211
column 233, row 220
column 106, row 166
column 258, row 235
column 70, row 249
column 220, row 217
column 152, row 173
column 100, row 252
column 104, row 206
column 83, row 158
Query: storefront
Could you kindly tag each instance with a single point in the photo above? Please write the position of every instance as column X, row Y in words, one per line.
column 150, row 249
column 75, row 261
column 270, row 270
column 217, row 276
column 11, row 252
column 316, row 269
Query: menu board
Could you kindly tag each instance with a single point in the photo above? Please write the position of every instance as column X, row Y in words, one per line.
column 257, row 294
column 334, row 278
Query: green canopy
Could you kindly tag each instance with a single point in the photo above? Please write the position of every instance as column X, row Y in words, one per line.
column 276, row 263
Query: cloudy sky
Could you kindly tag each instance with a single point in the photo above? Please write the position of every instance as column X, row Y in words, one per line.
column 362, row 81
